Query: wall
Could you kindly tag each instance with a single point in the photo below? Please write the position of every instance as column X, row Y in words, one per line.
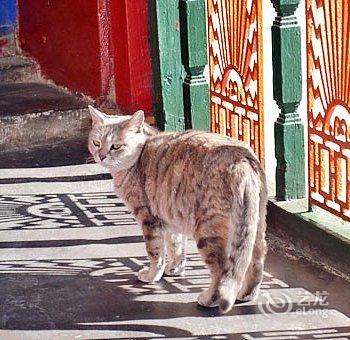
column 63, row 36
column 8, row 13
column 8, row 21
column 132, row 59
column 77, row 42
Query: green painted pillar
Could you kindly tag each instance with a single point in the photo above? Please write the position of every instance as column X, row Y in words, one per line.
column 194, row 58
column 167, row 66
column 287, row 89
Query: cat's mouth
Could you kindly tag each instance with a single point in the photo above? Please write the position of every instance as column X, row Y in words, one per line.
column 106, row 163
column 103, row 162
column 97, row 160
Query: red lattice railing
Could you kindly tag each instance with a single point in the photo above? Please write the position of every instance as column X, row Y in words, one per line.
column 235, row 59
column 328, row 50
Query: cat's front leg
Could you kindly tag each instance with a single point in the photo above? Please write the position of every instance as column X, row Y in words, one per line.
column 155, row 246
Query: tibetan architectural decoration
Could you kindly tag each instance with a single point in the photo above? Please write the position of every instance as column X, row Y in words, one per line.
column 328, row 51
column 235, row 58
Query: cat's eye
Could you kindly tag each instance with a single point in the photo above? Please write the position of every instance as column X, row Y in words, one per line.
column 116, row 146
column 96, row 143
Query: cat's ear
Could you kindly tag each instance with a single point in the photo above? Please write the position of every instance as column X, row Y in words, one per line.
column 97, row 116
column 136, row 121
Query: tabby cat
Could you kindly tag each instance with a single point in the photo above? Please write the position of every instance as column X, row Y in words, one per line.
column 191, row 183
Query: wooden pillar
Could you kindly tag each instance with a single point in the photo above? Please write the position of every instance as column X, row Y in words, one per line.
column 167, row 66
column 287, row 83
column 132, row 60
column 194, row 58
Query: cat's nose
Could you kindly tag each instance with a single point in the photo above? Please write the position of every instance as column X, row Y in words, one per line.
column 102, row 157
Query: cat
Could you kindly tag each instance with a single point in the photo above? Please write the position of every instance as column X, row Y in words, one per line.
column 191, row 183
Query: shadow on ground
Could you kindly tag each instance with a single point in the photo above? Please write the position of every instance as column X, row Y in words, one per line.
column 70, row 251
column 104, row 294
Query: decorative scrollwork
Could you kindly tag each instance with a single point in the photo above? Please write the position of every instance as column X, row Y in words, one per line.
column 235, row 70
column 328, row 48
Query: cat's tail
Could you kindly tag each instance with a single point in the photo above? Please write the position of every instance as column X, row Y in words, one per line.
column 246, row 188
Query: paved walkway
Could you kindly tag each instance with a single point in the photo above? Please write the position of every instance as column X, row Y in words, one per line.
column 70, row 251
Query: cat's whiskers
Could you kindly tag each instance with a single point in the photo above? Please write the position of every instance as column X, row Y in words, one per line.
column 90, row 160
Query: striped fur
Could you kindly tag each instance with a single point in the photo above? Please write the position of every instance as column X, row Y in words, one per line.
column 193, row 184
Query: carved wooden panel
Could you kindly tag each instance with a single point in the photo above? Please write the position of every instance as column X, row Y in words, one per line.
column 235, row 58
column 328, row 50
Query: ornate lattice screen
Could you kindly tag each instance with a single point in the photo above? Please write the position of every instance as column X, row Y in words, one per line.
column 235, row 58
column 328, row 52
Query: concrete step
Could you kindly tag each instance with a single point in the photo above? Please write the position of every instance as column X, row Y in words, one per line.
column 64, row 152
column 34, row 114
column 16, row 68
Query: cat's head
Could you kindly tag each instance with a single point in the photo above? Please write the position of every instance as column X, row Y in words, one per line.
column 116, row 142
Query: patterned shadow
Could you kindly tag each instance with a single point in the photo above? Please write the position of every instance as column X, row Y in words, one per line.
column 51, row 211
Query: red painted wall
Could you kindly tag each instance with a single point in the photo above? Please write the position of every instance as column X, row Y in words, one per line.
column 132, row 59
column 74, row 42
column 63, row 36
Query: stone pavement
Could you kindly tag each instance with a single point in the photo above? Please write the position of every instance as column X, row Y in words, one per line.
column 70, row 251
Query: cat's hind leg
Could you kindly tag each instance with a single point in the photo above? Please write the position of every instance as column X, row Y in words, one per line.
column 213, row 251
column 254, row 275
column 176, row 254
column 153, row 234
column 245, row 222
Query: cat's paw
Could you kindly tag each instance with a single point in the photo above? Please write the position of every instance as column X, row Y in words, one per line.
column 175, row 270
column 208, row 299
column 243, row 297
column 147, row 275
